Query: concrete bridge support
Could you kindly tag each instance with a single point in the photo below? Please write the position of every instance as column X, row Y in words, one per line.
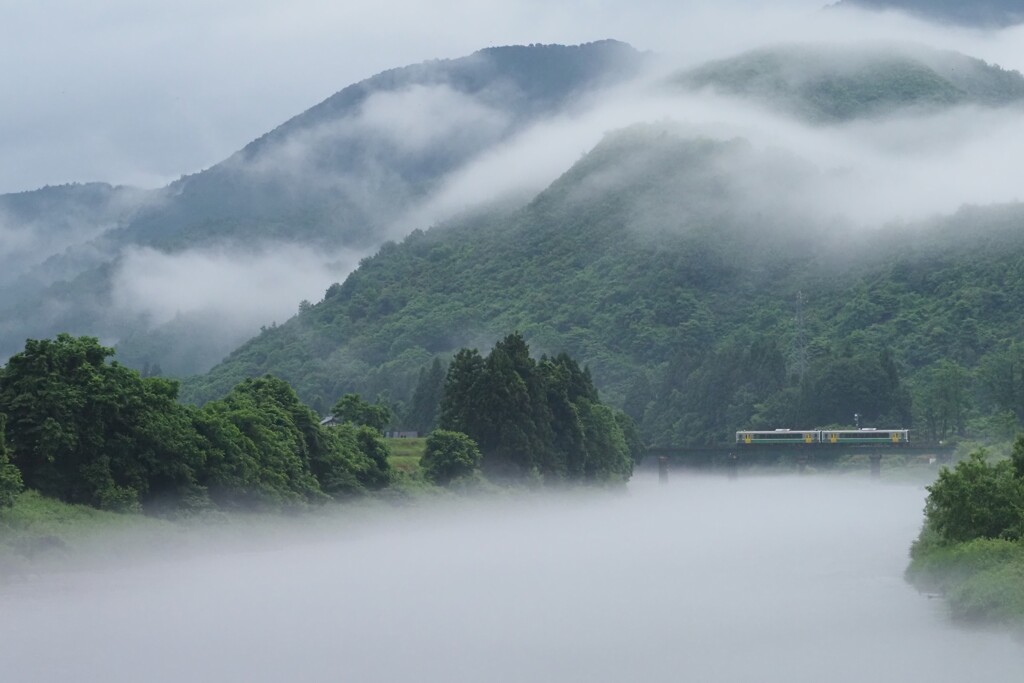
column 663, row 469
column 876, row 465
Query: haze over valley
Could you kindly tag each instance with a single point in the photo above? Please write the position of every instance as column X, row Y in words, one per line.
column 502, row 341
column 180, row 275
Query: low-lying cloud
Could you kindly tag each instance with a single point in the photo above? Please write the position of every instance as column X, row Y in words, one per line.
column 245, row 288
column 866, row 173
column 907, row 166
column 774, row 579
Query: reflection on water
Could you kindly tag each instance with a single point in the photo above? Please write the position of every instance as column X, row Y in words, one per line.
column 759, row 579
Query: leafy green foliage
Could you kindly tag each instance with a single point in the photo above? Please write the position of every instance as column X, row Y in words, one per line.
column 87, row 431
column 449, row 456
column 977, row 499
column 1017, row 457
column 90, row 432
column 426, row 398
column 273, row 449
column 10, row 478
column 942, row 400
column 351, row 408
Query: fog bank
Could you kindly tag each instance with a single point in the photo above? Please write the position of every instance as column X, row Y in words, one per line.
column 780, row 579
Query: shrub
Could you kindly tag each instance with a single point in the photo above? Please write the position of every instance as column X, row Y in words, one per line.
column 977, row 499
column 449, row 456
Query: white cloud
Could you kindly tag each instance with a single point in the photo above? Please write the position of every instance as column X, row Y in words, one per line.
column 244, row 288
column 117, row 91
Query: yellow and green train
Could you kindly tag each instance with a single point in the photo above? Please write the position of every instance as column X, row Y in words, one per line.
column 865, row 435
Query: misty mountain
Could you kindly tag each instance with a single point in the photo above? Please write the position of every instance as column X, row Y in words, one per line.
column 981, row 13
column 830, row 84
column 46, row 233
column 344, row 170
column 334, row 178
column 673, row 267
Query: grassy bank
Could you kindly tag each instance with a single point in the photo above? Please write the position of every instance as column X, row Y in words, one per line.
column 982, row 580
column 971, row 550
column 38, row 533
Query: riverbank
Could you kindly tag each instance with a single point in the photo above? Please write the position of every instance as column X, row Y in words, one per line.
column 982, row 580
column 40, row 534
column 971, row 547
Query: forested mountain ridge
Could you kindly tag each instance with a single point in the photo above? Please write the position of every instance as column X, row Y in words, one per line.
column 833, row 84
column 368, row 145
column 654, row 262
column 335, row 176
column 982, row 13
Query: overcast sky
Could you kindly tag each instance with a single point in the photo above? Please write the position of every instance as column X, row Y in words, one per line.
column 143, row 92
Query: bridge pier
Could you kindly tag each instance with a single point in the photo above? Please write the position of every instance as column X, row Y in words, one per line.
column 801, row 463
column 876, row 465
column 732, row 466
column 663, row 469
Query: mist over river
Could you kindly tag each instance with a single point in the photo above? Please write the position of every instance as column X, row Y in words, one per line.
column 762, row 579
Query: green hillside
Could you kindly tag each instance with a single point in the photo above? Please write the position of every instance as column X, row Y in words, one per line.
column 335, row 176
column 830, row 84
column 652, row 261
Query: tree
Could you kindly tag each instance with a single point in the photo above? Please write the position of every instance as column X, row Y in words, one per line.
column 941, row 399
column 351, row 408
column 426, row 398
column 265, row 446
column 10, row 478
column 863, row 382
column 1017, row 456
column 977, row 499
column 449, row 456
column 508, row 406
column 1002, row 377
column 462, row 392
column 608, row 456
column 375, row 448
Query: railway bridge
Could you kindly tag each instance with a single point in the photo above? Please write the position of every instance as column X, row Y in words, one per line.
column 800, row 448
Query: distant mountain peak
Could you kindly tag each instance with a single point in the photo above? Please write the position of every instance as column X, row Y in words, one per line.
column 976, row 13
column 828, row 83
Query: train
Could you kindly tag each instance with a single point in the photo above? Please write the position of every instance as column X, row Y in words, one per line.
column 864, row 435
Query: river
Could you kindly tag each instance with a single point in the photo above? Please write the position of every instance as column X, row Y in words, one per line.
column 769, row 579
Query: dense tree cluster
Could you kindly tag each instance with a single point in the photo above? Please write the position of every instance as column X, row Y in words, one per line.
column 87, row 431
column 534, row 417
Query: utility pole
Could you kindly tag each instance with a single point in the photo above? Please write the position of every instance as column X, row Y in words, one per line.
column 799, row 351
